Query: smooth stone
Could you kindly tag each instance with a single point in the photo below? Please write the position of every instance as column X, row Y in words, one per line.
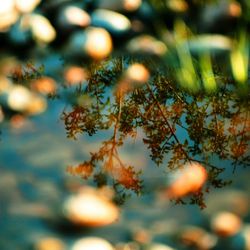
column 114, row 22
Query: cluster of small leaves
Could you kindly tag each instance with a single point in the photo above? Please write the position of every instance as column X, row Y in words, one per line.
column 91, row 114
column 216, row 125
column 23, row 74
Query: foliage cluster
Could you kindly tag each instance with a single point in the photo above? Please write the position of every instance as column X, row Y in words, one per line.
column 216, row 124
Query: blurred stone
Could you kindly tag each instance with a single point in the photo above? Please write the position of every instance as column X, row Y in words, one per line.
column 197, row 238
column 95, row 42
column 112, row 21
column 120, row 5
column 132, row 5
column 186, row 180
column 98, row 43
column 41, row 28
column 7, row 6
column 135, row 75
column 89, row 208
column 50, row 243
column 19, row 98
column 226, row 224
column 177, row 5
column 142, row 236
column 26, row 6
column 8, row 14
column 137, row 72
column 73, row 16
column 92, row 243
column 146, row 44
column 212, row 43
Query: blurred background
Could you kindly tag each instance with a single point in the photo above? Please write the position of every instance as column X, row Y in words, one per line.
column 45, row 49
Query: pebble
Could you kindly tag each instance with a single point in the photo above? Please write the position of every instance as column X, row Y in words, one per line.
column 112, row 21
column 226, row 224
column 49, row 243
column 89, row 208
column 92, row 243
column 94, row 42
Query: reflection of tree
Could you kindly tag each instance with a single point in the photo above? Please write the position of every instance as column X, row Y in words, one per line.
column 174, row 87
column 217, row 125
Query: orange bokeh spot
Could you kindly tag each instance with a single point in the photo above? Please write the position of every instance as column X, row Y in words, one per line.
column 188, row 180
column 75, row 75
column 226, row 224
column 90, row 208
column 44, row 85
column 98, row 43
